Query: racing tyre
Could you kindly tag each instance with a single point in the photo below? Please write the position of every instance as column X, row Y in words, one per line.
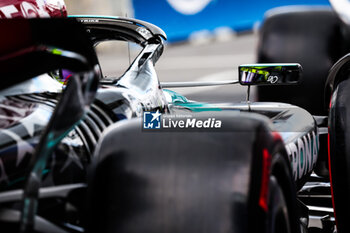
column 236, row 179
column 283, row 211
column 339, row 154
column 279, row 218
column 312, row 37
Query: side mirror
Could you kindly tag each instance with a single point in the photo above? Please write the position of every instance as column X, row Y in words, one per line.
column 270, row 74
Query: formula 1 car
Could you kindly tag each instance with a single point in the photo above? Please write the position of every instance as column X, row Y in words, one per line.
column 225, row 167
column 147, row 159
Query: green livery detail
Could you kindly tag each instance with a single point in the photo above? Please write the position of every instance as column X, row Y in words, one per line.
column 182, row 101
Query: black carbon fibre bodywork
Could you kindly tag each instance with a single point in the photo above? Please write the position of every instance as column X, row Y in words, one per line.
column 140, row 176
column 35, row 55
column 18, row 140
column 24, row 120
column 295, row 125
column 123, row 98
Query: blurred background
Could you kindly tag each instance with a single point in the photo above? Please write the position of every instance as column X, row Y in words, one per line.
column 207, row 39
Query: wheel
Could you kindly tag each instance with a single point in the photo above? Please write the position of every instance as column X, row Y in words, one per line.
column 339, row 154
column 214, row 182
column 284, row 212
column 314, row 38
column 278, row 211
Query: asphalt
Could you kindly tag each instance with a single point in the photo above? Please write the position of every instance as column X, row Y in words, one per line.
column 200, row 60
column 213, row 60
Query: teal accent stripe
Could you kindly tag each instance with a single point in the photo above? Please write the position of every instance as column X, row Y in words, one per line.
column 23, row 178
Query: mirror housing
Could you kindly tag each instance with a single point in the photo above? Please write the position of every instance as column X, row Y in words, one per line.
column 270, row 74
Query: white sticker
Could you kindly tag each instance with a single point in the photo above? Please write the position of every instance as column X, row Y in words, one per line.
column 8, row 11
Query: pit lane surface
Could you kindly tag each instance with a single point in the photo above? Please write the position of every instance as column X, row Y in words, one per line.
column 199, row 61
column 208, row 62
